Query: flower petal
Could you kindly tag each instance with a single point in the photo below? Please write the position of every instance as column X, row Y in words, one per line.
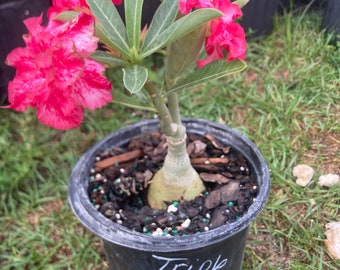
column 92, row 89
column 51, row 114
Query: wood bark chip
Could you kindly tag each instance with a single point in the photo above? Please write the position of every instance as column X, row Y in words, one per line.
column 230, row 192
column 207, row 167
column 209, row 161
column 214, row 178
column 144, row 177
column 103, row 164
column 225, row 194
column 196, row 148
column 217, row 144
column 213, row 199
column 218, row 219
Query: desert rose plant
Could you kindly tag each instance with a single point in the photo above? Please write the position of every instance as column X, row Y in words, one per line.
column 67, row 66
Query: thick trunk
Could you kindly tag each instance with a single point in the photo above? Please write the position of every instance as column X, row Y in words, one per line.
column 177, row 179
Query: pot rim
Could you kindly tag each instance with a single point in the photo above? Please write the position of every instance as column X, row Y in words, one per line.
column 110, row 231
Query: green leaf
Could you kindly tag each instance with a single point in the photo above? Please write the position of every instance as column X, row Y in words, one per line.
column 213, row 71
column 133, row 17
column 241, row 3
column 184, row 53
column 181, row 27
column 134, row 78
column 190, row 22
column 108, row 59
column 129, row 101
column 66, row 16
column 111, row 25
column 162, row 19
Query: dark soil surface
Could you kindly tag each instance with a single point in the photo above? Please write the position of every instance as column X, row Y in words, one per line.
column 120, row 176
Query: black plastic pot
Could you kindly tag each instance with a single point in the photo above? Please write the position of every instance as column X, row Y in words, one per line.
column 258, row 16
column 331, row 18
column 296, row 3
column 220, row 248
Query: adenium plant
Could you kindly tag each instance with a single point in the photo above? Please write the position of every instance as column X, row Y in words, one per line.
column 61, row 71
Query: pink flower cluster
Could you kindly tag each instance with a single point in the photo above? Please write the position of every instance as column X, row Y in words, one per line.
column 225, row 36
column 54, row 72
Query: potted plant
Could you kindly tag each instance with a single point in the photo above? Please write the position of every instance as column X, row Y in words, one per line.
column 60, row 72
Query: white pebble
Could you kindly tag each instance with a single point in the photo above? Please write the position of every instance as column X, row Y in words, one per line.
column 117, row 216
column 122, row 170
column 122, row 213
column 329, row 180
column 186, row 223
column 312, row 202
column 172, row 209
column 157, row 232
column 206, row 228
column 117, row 181
column 333, row 239
column 303, row 173
column 208, row 216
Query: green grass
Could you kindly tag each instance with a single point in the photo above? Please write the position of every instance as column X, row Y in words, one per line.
column 287, row 102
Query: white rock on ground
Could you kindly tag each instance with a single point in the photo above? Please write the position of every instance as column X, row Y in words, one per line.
column 329, row 180
column 303, row 173
column 333, row 239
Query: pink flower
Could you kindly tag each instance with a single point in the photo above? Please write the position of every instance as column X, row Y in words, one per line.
column 54, row 73
column 224, row 34
column 77, row 5
column 185, row 6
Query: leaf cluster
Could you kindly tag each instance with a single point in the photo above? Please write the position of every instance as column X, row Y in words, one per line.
column 179, row 37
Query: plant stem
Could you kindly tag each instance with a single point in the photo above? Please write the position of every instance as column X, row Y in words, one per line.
column 177, row 179
column 174, row 108
column 163, row 112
